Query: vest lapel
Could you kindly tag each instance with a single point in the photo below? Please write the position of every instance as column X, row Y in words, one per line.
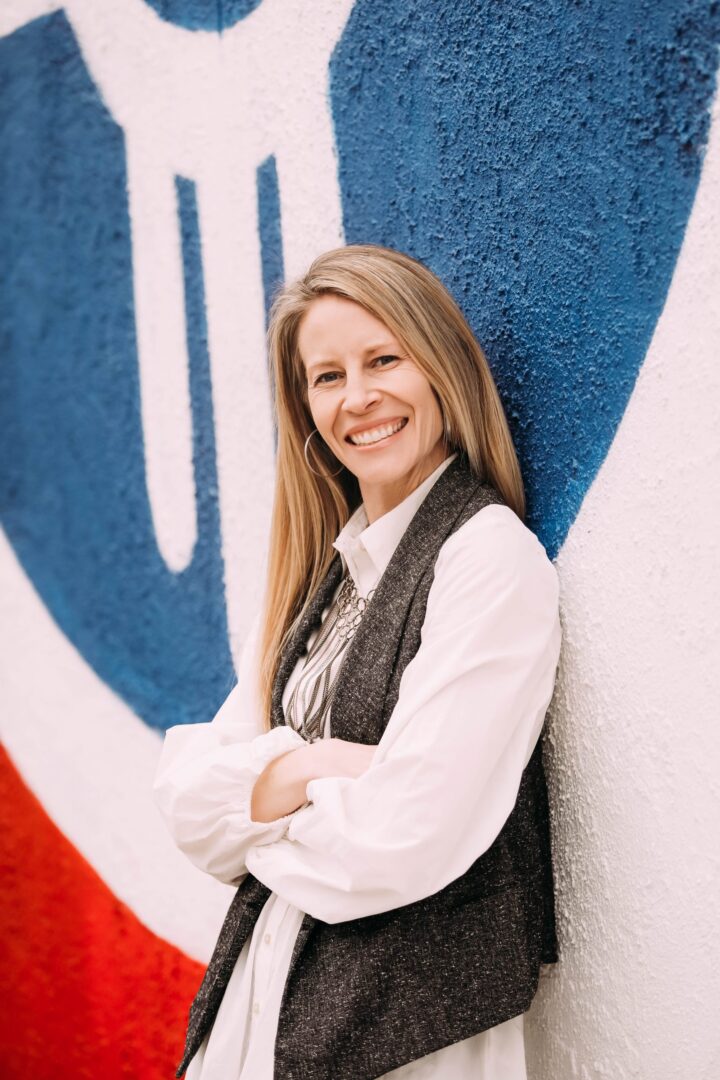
column 366, row 670
column 357, row 710
column 296, row 646
column 365, row 673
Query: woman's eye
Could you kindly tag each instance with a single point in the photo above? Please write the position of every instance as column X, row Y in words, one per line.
column 380, row 360
column 326, row 376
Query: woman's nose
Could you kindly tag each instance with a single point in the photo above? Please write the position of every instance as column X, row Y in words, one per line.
column 359, row 393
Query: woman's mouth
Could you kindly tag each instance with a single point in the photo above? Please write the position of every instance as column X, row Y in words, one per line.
column 381, row 433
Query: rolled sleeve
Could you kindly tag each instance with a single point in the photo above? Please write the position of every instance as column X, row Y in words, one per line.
column 203, row 789
column 206, row 774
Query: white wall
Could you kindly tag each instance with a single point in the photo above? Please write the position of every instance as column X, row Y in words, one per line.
column 634, row 740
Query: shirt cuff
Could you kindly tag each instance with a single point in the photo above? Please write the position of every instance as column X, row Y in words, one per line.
column 204, row 789
column 276, row 742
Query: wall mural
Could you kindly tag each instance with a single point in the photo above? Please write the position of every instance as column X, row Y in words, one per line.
column 164, row 166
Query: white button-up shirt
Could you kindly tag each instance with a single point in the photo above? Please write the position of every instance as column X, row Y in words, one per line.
column 442, row 783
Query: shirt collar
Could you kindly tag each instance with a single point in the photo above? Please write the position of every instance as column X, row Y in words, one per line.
column 367, row 549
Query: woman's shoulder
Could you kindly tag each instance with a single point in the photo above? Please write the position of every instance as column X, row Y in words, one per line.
column 494, row 543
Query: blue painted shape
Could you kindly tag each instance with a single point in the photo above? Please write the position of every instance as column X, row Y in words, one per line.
column 271, row 247
column 217, row 15
column 542, row 159
column 270, row 229
column 73, row 499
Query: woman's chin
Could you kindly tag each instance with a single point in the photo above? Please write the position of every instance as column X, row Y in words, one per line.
column 388, row 473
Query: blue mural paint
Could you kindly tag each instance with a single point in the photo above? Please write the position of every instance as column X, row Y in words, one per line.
column 270, row 229
column 542, row 159
column 271, row 246
column 215, row 15
column 73, row 499
column 204, row 454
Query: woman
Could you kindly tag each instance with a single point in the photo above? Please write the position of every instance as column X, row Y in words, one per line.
column 374, row 782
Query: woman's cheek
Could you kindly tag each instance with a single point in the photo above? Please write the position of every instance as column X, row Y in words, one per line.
column 322, row 418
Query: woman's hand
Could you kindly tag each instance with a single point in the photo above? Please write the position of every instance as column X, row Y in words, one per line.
column 336, row 757
column 280, row 787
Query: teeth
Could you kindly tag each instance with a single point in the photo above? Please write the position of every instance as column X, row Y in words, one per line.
column 365, row 438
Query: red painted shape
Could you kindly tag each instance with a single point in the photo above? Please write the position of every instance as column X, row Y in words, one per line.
column 87, row 990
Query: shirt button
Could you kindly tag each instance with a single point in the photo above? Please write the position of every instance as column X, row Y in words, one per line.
column 256, row 1007
column 267, row 939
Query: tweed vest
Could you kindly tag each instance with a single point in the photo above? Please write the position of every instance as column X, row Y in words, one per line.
column 365, row 996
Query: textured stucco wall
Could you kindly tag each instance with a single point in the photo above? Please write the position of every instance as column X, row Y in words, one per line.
column 633, row 739
column 163, row 164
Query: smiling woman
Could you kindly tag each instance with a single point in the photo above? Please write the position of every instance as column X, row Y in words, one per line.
column 352, row 298
column 374, row 783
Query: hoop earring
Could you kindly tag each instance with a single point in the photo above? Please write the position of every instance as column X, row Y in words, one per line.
column 325, row 476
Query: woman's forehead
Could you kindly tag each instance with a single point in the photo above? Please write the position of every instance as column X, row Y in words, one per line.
column 334, row 329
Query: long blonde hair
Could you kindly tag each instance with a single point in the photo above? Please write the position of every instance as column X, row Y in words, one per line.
column 309, row 510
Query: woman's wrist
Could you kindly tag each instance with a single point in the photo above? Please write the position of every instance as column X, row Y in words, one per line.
column 280, row 788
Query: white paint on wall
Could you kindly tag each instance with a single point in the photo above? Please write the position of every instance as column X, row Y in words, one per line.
column 15, row 13
column 634, row 741
column 163, row 368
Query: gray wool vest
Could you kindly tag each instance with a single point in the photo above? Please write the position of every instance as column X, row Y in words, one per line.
column 366, row 996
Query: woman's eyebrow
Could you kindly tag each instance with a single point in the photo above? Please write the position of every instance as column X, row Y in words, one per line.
column 382, row 345
column 318, row 364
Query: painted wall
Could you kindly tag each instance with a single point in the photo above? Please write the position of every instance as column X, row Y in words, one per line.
column 163, row 165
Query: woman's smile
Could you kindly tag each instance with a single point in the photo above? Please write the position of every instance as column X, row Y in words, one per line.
column 378, row 435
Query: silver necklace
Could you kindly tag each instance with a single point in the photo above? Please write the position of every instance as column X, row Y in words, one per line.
column 315, row 689
column 351, row 608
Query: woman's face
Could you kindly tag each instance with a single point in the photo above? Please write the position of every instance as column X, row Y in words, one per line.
column 370, row 401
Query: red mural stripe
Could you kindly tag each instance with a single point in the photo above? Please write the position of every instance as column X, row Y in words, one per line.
column 88, row 991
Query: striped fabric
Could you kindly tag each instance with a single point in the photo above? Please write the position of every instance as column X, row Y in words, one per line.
column 308, row 709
